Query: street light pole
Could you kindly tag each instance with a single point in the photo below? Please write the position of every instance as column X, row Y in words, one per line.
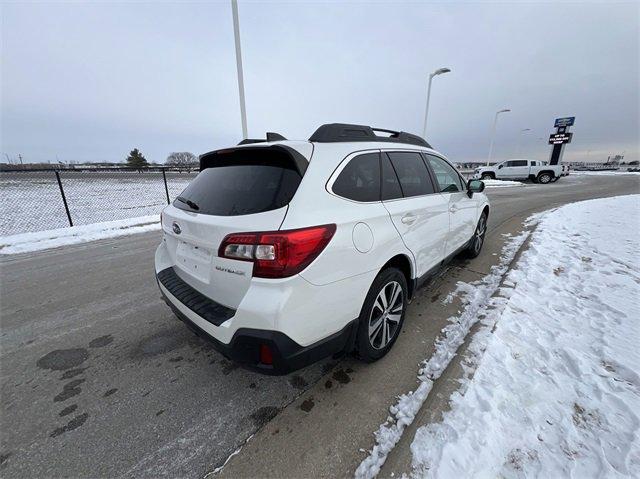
column 236, row 34
column 493, row 133
column 439, row 71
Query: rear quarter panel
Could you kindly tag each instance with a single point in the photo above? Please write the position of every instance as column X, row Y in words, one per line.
column 355, row 222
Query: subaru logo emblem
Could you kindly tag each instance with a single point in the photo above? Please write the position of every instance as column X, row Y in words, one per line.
column 176, row 228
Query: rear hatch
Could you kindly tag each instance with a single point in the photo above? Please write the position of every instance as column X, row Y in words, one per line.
column 238, row 190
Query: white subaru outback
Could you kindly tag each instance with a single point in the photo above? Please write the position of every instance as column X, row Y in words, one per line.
column 283, row 252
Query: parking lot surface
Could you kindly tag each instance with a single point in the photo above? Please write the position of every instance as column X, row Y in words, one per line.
column 99, row 379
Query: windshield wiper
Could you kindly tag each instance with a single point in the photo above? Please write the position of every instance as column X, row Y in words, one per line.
column 189, row 203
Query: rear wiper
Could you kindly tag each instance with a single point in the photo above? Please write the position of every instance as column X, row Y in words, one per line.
column 189, row 203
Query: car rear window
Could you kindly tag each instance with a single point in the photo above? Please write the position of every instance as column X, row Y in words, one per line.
column 360, row 179
column 241, row 183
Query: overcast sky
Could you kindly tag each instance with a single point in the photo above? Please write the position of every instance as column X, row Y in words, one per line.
column 90, row 81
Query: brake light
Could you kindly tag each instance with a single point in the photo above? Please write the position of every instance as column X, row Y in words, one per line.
column 277, row 254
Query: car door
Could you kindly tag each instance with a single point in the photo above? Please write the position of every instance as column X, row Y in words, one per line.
column 502, row 170
column 517, row 169
column 418, row 212
column 463, row 211
column 505, row 170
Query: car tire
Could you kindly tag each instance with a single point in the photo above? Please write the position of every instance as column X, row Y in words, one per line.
column 544, row 178
column 380, row 323
column 487, row 176
column 477, row 241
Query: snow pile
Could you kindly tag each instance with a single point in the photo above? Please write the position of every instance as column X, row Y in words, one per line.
column 501, row 183
column 26, row 242
column 556, row 392
column 610, row 172
column 450, row 339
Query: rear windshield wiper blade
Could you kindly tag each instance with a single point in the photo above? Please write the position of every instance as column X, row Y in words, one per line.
column 189, row 203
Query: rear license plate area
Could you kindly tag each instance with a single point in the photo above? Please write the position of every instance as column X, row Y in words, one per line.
column 195, row 260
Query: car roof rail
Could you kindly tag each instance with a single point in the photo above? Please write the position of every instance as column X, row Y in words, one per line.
column 271, row 136
column 339, row 132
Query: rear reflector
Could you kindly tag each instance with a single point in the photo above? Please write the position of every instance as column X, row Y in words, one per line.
column 277, row 254
column 266, row 356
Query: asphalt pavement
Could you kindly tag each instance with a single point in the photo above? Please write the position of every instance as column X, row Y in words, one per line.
column 100, row 380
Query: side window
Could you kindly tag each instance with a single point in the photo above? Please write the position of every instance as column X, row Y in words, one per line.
column 534, row 163
column 448, row 179
column 519, row 163
column 390, row 184
column 412, row 173
column 509, row 163
column 360, row 179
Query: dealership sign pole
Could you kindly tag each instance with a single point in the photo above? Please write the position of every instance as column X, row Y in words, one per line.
column 561, row 137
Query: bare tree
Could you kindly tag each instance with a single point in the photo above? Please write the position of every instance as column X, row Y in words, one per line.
column 182, row 159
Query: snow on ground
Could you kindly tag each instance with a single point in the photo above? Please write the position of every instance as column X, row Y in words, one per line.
column 27, row 242
column 556, row 392
column 31, row 200
column 501, row 183
column 617, row 172
column 450, row 339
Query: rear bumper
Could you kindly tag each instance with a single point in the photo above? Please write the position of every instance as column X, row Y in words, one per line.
column 288, row 356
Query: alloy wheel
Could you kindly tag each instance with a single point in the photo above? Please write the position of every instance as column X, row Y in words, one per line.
column 544, row 179
column 385, row 315
column 478, row 238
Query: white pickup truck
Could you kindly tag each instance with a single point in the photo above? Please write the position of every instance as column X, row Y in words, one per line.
column 534, row 170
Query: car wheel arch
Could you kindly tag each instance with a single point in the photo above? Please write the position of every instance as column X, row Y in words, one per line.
column 403, row 263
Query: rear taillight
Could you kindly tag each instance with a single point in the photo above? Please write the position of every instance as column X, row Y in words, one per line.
column 277, row 254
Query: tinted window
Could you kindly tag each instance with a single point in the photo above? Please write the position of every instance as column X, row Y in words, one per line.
column 360, row 179
column 412, row 173
column 242, row 189
column 516, row 163
column 447, row 177
column 390, row 185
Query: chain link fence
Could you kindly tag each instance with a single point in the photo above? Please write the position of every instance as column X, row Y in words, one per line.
column 38, row 200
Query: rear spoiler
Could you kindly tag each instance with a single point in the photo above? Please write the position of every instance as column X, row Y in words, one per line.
column 270, row 137
column 248, row 155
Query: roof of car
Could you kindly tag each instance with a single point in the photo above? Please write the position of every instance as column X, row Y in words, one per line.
column 348, row 133
column 339, row 140
column 339, row 150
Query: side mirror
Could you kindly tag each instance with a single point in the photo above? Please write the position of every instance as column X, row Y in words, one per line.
column 474, row 186
column 500, row 166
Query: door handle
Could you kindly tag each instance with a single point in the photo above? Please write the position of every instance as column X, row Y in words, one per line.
column 409, row 219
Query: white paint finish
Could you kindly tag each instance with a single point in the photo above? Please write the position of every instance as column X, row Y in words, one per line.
column 305, row 312
column 206, row 232
column 463, row 218
column 329, row 293
column 503, row 170
column 423, row 223
column 362, row 237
